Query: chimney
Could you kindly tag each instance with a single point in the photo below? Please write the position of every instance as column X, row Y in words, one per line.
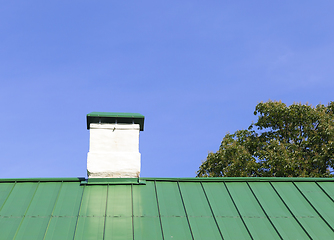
column 114, row 144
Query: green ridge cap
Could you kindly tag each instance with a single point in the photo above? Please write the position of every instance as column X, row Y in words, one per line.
column 78, row 179
column 96, row 181
column 242, row 179
column 113, row 117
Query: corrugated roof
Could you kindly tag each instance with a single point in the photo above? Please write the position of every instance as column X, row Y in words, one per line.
column 218, row 208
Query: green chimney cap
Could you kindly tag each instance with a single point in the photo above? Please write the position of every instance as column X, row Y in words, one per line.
column 115, row 117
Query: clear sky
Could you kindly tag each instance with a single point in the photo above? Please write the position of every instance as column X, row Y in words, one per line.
column 194, row 69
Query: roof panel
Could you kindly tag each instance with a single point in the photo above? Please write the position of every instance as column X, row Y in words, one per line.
column 176, row 228
column 319, row 200
column 173, row 217
column 9, row 226
column 303, row 211
column 61, row 228
column 170, row 202
column 147, row 228
column 44, row 199
column 91, row 220
column 328, row 188
column 227, row 216
column 32, row 228
column 19, row 199
column 167, row 209
column 119, row 201
column 89, row 227
column 5, row 189
column 195, row 200
column 144, row 200
column 68, row 200
column 220, row 201
column 204, row 228
column 146, row 220
column 255, row 219
column 94, row 201
column 202, row 222
column 283, row 220
column 232, row 228
column 119, row 228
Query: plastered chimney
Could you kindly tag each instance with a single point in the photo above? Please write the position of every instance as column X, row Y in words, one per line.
column 114, row 144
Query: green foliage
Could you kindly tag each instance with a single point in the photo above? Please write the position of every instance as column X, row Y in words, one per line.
column 286, row 141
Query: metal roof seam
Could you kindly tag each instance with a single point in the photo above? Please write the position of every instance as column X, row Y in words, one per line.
column 324, row 192
column 264, row 210
column 47, row 228
column 213, row 215
column 105, row 213
column 7, row 197
column 132, row 213
column 17, row 230
column 228, row 191
column 313, row 207
column 156, row 195
column 76, row 223
column 185, row 210
column 301, row 225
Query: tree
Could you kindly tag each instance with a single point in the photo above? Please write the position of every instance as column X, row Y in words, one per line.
column 286, row 141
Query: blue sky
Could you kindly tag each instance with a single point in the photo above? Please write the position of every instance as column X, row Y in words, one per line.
column 194, row 69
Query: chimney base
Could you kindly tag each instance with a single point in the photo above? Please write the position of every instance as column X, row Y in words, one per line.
column 113, row 165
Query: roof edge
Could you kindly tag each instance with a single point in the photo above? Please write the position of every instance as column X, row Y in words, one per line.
column 242, row 179
column 78, row 179
column 98, row 181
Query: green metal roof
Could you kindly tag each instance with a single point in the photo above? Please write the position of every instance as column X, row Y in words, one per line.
column 113, row 117
column 153, row 208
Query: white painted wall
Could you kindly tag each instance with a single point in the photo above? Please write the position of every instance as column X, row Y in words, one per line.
column 113, row 151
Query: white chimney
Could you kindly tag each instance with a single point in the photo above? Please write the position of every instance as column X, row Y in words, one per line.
column 114, row 144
